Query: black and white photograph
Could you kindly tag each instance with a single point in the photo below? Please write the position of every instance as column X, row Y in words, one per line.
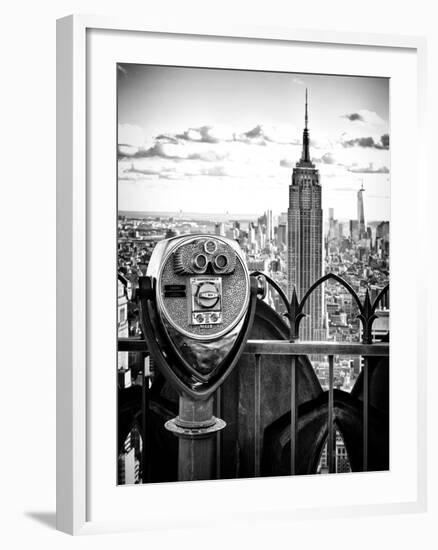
column 219, row 275
column 253, row 254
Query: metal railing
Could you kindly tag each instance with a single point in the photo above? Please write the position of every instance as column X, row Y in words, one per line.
column 329, row 349
column 258, row 348
column 294, row 349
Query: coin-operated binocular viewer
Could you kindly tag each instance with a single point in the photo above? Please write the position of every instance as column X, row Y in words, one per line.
column 197, row 306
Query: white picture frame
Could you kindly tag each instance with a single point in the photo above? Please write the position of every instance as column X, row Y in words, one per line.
column 76, row 211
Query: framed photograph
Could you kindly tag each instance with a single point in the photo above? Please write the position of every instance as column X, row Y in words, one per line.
column 239, row 330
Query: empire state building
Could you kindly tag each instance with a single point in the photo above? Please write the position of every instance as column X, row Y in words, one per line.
column 304, row 238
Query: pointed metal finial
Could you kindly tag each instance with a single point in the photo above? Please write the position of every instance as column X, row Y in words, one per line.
column 306, row 117
column 305, row 156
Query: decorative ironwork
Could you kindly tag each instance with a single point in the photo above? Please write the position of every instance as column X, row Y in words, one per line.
column 295, row 307
column 364, row 445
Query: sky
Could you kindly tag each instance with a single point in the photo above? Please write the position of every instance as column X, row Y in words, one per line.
column 216, row 140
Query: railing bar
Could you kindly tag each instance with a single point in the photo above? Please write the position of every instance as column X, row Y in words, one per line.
column 365, row 413
column 283, row 347
column 145, row 421
column 219, row 433
column 330, row 439
column 257, row 412
column 293, row 414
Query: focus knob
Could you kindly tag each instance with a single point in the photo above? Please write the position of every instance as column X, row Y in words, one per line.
column 208, row 295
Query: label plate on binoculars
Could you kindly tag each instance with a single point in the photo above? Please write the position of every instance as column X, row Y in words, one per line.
column 205, row 301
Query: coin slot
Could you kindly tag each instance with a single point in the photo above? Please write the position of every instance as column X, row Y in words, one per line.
column 210, row 247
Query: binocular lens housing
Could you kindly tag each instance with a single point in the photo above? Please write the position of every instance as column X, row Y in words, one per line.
column 200, row 261
column 205, row 256
column 221, row 261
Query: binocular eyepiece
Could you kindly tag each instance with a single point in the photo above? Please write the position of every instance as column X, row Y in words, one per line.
column 202, row 255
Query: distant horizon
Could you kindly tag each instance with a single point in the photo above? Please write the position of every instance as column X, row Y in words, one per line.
column 233, row 216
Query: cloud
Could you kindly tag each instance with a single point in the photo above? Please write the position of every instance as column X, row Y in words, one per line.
column 134, row 171
column 298, row 81
column 183, row 151
column 256, row 132
column 155, row 167
column 206, row 143
column 360, row 142
column 216, row 171
column 327, row 158
column 257, row 135
column 353, row 116
column 369, row 169
column 207, row 134
column 367, row 142
column 264, row 135
column 167, row 138
column 385, row 141
column 126, row 150
column 364, row 116
column 209, row 155
column 143, row 171
column 255, row 153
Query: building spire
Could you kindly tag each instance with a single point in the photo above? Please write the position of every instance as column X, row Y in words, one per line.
column 305, row 156
column 306, row 119
column 360, row 213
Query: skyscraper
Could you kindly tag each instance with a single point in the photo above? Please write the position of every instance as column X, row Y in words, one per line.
column 269, row 226
column 304, row 237
column 282, row 229
column 219, row 229
column 360, row 213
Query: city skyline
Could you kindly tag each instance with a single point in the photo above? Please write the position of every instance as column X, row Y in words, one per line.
column 189, row 138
